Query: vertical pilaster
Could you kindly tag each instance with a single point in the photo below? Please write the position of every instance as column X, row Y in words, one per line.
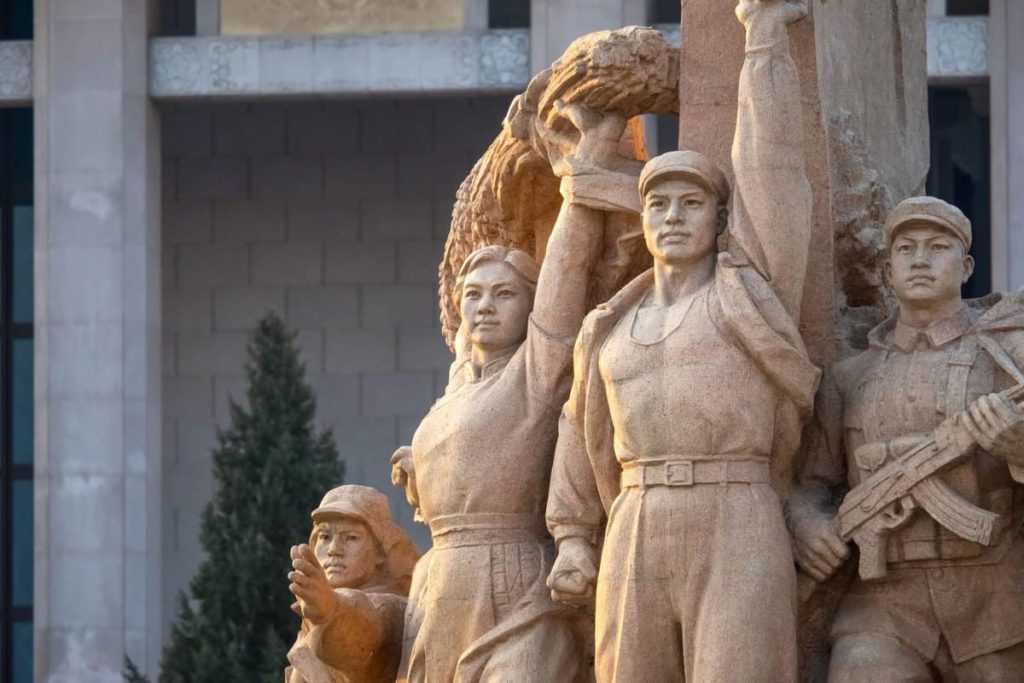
column 98, row 469
column 207, row 17
column 556, row 23
column 1006, row 60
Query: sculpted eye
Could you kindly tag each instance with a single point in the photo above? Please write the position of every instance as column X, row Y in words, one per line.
column 507, row 294
column 471, row 294
column 694, row 203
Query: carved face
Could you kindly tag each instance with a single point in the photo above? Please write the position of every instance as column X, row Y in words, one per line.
column 680, row 221
column 348, row 551
column 927, row 265
column 495, row 306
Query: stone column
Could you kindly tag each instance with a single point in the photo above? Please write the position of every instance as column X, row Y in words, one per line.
column 97, row 359
column 556, row 23
column 865, row 124
column 1006, row 60
column 207, row 17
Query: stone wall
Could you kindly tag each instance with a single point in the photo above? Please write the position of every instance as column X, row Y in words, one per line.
column 334, row 214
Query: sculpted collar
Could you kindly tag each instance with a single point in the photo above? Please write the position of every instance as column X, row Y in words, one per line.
column 905, row 337
column 491, row 367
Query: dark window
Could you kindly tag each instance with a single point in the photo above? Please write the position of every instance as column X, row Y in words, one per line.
column 15, row 19
column 955, row 8
column 16, row 395
column 508, row 13
column 960, row 167
column 177, row 17
column 668, row 134
column 667, row 11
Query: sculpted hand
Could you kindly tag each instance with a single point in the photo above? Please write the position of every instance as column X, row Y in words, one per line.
column 317, row 601
column 582, row 136
column 817, row 547
column 572, row 577
column 997, row 426
column 403, row 474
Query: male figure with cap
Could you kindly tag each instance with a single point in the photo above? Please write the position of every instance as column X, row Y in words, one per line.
column 690, row 388
column 948, row 608
column 350, row 582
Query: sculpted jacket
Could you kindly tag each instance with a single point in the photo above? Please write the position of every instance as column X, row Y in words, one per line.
column 899, row 390
column 754, row 302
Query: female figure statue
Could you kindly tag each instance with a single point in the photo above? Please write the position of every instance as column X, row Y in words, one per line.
column 479, row 463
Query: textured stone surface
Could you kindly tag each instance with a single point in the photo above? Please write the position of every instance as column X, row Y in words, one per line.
column 268, row 17
column 16, row 71
column 467, row 62
column 865, row 127
column 98, row 465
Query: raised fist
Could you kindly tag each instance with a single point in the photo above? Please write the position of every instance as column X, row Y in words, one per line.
column 578, row 136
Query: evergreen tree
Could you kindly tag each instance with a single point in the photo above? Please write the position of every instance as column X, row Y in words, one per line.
column 271, row 470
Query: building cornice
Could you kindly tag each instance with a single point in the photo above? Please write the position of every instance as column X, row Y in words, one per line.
column 398, row 64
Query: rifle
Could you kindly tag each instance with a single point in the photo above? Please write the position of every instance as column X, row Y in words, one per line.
column 885, row 500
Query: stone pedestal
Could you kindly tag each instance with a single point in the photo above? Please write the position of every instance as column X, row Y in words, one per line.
column 865, row 124
column 97, row 362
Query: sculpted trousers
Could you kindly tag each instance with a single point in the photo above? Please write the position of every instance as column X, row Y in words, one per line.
column 696, row 584
column 873, row 657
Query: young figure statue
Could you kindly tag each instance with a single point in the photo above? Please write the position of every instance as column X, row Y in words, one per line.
column 350, row 583
column 940, row 594
column 477, row 470
column 689, row 391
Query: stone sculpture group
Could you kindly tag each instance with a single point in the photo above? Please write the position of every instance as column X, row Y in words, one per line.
column 656, row 489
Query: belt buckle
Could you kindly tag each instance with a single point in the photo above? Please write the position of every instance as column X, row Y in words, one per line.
column 679, row 473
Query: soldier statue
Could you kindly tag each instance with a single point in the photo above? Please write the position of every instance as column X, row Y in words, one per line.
column 350, row 583
column 926, row 429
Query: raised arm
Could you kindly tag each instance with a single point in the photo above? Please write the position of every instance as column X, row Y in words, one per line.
column 589, row 190
column 772, row 208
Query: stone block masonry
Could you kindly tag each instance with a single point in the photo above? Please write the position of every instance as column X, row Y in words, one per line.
column 333, row 214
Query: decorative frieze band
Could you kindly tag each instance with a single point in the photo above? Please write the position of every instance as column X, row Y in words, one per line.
column 397, row 63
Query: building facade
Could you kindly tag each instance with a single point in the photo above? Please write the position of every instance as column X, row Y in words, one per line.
column 168, row 173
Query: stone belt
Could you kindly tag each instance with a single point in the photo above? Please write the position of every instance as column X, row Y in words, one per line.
column 486, row 528
column 691, row 472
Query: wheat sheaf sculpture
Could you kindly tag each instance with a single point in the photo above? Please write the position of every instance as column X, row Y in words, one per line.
column 511, row 197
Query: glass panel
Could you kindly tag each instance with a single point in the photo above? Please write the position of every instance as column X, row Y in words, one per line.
column 966, row 7
column 21, row 543
column 23, row 286
column 667, row 11
column 20, row 121
column 959, row 172
column 22, row 407
column 16, row 20
column 508, row 13
column 22, row 652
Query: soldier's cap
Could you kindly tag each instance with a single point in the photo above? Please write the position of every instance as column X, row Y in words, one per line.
column 688, row 164
column 930, row 211
column 366, row 504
